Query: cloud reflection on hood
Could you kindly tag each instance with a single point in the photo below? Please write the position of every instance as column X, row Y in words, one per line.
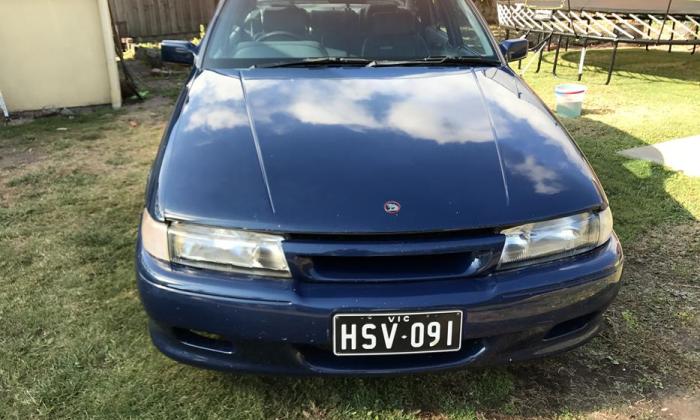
column 545, row 180
column 444, row 106
column 429, row 107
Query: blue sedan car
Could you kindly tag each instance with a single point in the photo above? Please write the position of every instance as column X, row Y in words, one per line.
column 364, row 187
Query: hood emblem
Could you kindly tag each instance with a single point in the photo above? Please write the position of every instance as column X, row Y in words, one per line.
column 392, row 207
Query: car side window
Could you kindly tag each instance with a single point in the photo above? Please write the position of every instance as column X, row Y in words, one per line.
column 446, row 17
column 439, row 16
column 466, row 30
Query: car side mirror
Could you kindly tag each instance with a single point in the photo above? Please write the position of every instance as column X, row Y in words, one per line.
column 515, row 49
column 179, row 52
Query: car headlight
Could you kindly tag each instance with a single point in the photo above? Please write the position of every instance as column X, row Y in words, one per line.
column 215, row 248
column 553, row 239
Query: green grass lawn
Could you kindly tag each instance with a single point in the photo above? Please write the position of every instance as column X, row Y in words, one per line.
column 74, row 341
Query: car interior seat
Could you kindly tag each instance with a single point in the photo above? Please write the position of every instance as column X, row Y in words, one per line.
column 337, row 29
column 284, row 20
column 393, row 34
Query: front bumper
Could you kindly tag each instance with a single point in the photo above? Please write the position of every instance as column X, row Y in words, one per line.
column 277, row 326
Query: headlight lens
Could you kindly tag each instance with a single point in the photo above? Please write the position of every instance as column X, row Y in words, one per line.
column 232, row 250
column 543, row 241
column 215, row 248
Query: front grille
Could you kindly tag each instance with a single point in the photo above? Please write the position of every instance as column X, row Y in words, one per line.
column 392, row 258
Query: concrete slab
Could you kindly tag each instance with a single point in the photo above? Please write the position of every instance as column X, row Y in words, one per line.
column 680, row 155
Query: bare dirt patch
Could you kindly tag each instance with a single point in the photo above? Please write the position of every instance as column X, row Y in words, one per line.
column 13, row 157
column 683, row 408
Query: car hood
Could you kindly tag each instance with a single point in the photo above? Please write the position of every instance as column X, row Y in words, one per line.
column 323, row 150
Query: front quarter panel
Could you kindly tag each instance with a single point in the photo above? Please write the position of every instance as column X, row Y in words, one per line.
column 543, row 166
column 211, row 137
column 152, row 203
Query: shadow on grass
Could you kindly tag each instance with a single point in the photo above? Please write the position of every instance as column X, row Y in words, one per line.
column 636, row 357
column 637, row 190
column 637, row 63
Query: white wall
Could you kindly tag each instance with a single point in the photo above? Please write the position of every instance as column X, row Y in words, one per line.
column 54, row 54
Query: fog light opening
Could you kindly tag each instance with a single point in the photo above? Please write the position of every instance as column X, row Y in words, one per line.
column 204, row 340
column 570, row 326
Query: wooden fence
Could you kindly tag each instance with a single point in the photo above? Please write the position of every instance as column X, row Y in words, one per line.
column 158, row 18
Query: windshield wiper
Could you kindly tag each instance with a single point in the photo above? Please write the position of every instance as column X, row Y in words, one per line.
column 313, row 62
column 352, row 61
column 438, row 61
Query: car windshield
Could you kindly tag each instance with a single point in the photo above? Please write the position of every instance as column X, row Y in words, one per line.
column 259, row 33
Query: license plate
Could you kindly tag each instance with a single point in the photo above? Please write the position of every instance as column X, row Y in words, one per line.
column 396, row 333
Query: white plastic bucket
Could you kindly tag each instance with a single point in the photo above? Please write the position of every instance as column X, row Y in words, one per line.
column 570, row 98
